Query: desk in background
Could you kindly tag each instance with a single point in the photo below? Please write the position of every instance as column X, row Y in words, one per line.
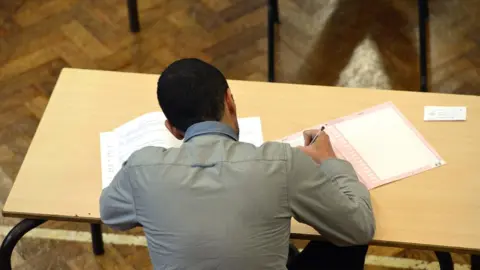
column 274, row 18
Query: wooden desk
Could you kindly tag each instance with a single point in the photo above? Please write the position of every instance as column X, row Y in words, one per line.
column 439, row 209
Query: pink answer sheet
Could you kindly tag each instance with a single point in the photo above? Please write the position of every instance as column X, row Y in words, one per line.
column 380, row 143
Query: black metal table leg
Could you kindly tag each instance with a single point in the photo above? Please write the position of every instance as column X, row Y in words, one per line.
column 273, row 18
column 445, row 260
column 97, row 240
column 133, row 16
column 475, row 262
column 12, row 239
column 276, row 17
column 423, row 14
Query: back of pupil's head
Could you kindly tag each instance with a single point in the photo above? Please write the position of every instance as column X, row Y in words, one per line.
column 191, row 91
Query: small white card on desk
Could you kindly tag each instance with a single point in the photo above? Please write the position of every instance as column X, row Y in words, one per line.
column 445, row 113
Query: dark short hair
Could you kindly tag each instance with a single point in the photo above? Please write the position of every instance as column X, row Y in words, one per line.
column 191, row 91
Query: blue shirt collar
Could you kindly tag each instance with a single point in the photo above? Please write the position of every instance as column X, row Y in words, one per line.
column 210, row 127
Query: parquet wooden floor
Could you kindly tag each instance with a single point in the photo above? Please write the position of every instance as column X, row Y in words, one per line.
column 368, row 43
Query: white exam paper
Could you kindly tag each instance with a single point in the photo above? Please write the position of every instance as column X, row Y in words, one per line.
column 149, row 130
column 251, row 130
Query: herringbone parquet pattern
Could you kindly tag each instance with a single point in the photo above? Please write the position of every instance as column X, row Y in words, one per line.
column 368, row 43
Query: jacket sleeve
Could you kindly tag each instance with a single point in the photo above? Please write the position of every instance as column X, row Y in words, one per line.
column 117, row 207
column 330, row 198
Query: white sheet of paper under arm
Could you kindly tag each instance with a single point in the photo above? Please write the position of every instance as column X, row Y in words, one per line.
column 149, row 130
column 146, row 130
column 251, row 130
column 110, row 160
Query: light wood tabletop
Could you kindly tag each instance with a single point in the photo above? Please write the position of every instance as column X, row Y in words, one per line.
column 60, row 176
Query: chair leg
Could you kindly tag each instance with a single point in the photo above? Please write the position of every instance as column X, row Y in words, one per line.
column 12, row 238
column 271, row 38
column 292, row 254
column 133, row 16
column 97, row 240
column 423, row 14
column 445, row 260
column 276, row 17
column 475, row 262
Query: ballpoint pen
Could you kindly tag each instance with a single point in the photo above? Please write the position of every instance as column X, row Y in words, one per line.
column 316, row 136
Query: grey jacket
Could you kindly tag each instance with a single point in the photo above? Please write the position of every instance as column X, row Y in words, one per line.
column 216, row 203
